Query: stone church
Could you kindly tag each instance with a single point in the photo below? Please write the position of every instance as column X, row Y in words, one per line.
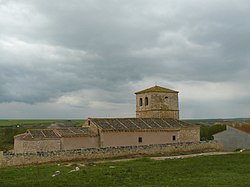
column 157, row 122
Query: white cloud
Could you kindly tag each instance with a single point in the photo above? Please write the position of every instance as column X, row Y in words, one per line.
column 212, row 91
column 32, row 53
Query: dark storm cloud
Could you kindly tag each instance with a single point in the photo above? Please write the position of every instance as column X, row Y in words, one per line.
column 54, row 50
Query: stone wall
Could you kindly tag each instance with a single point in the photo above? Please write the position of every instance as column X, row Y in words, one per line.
column 173, row 114
column 32, row 146
column 160, row 105
column 69, row 143
column 7, row 160
column 191, row 134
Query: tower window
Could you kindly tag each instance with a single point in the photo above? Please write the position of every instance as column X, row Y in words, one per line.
column 140, row 101
column 139, row 139
column 146, row 101
column 173, row 138
column 89, row 123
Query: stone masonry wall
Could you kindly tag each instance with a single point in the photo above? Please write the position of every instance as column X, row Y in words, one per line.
column 69, row 143
column 160, row 105
column 189, row 134
column 7, row 160
column 32, row 146
column 157, row 114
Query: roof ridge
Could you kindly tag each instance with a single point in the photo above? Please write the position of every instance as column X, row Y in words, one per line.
column 156, row 89
column 129, row 118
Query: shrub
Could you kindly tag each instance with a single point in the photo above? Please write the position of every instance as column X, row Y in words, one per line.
column 7, row 137
column 207, row 131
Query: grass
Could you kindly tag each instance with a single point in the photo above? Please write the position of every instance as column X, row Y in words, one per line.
column 34, row 122
column 26, row 122
column 221, row 170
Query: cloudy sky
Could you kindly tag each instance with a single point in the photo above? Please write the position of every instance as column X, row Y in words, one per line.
column 86, row 58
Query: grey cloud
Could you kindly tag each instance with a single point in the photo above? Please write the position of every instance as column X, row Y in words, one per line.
column 110, row 46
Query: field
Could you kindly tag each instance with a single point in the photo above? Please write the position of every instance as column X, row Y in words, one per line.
column 220, row 170
column 36, row 123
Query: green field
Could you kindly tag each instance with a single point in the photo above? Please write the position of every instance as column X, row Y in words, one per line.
column 210, row 171
column 34, row 122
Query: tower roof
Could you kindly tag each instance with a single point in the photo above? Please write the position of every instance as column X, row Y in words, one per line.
column 157, row 89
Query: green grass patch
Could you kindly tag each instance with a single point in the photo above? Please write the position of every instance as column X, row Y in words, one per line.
column 221, row 170
column 37, row 122
column 24, row 122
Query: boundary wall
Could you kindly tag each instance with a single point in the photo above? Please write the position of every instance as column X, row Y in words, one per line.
column 91, row 154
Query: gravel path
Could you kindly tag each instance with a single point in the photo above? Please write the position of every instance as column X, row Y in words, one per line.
column 191, row 155
column 169, row 157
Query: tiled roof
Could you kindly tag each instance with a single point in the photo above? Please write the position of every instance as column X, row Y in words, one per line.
column 157, row 89
column 56, row 133
column 42, row 133
column 138, row 124
column 68, row 132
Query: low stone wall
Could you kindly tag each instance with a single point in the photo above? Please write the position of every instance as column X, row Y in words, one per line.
column 7, row 160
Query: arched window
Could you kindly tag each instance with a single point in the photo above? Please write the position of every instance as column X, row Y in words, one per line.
column 146, row 101
column 140, row 101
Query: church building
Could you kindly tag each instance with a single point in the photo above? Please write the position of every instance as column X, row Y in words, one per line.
column 157, row 122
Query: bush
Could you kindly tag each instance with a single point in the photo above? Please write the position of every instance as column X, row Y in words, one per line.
column 207, row 131
column 7, row 137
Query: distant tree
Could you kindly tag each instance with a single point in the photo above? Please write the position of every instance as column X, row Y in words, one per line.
column 7, row 137
column 207, row 131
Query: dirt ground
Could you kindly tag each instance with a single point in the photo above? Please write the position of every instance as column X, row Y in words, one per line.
column 153, row 158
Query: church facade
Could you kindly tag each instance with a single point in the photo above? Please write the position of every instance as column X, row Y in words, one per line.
column 157, row 122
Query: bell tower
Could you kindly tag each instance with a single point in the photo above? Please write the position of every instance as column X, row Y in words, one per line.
column 157, row 102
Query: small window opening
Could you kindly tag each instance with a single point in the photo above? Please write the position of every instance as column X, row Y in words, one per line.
column 89, row 123
column 166, row 97
column 140, row 101
column 140, row 139
column 173, row 138
column 146, row 101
